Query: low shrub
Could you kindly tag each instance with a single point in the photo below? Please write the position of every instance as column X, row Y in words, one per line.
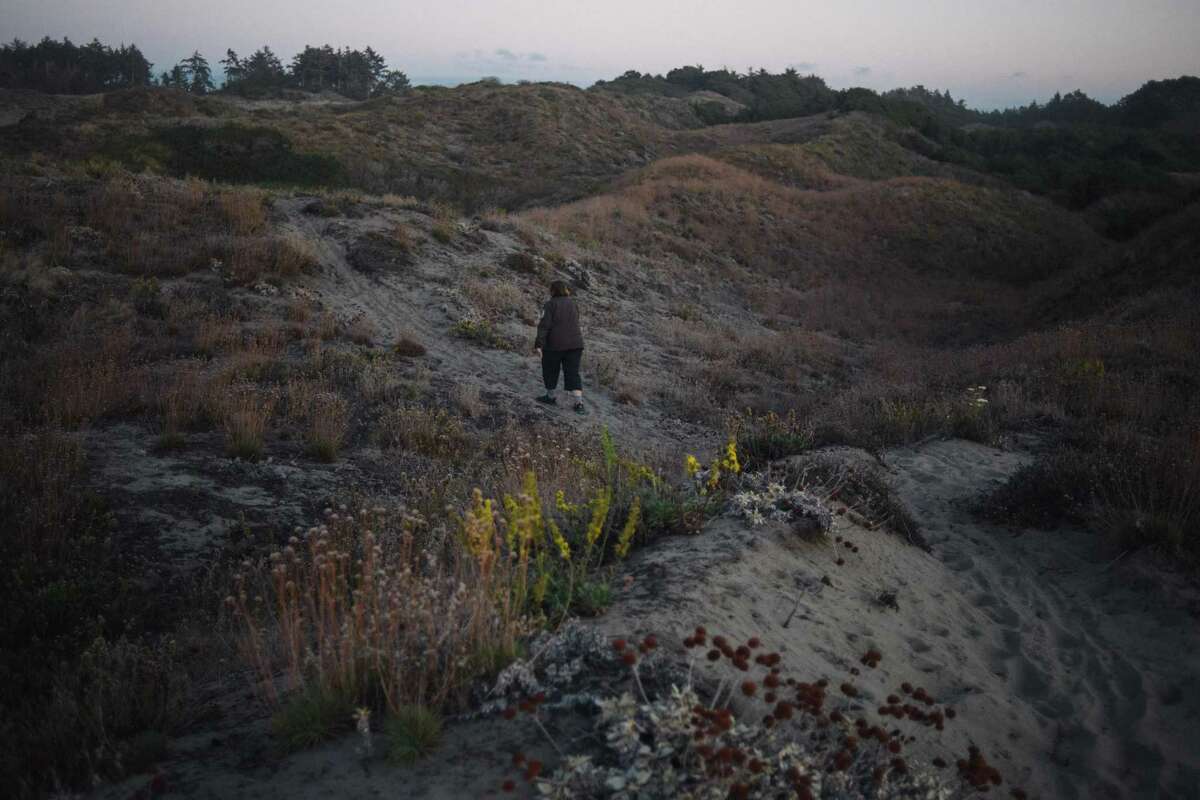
column 361, row 330
column 408, row 347
column 412, row 732
column 237, row 154
column 482, row 333
column 443, row 230
column 862, row 489
column 526, row 263
column 769, row 437
column 1057, row 488
column 312, row 715
column 1148, row 492
column 738, row 725
column 1139, row 491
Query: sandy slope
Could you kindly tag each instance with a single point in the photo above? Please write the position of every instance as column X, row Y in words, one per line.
column 1076, row 677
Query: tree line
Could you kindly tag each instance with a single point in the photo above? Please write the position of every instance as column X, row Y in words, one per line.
column 766, row 95
column 66, row 68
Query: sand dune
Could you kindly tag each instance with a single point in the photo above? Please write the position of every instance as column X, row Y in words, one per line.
column 1076, row 677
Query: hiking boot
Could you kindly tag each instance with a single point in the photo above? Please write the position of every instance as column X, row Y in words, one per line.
column 580, row 408
column 548, row 400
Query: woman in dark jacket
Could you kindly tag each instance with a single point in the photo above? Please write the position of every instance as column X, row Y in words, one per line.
column 560, row 344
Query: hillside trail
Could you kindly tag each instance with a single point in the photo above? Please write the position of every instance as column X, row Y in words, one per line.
column 1077, row 676
column 424, row 299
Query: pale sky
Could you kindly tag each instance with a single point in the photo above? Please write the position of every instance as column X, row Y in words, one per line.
column 991, row 52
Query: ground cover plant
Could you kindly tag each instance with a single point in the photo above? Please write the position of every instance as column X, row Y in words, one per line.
column 735, row 723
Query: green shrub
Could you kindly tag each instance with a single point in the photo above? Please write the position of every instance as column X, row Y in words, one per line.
column 526, row 263
column 413, row 733
column 1057, row 488
column 482, row 333
column 312, row 716
column 240, row 154
column 769, row 437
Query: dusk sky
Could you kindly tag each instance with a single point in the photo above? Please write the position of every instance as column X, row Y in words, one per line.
column 992, row 52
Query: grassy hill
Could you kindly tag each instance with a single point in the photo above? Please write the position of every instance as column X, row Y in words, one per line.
column 223, row 321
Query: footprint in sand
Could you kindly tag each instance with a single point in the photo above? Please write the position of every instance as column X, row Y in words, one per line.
column 1032, row 682
column 919, row 646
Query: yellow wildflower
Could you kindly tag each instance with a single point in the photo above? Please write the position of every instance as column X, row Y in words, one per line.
column 560, row 541
column 560, row 502
column 692, row 465
column 479, row 526
column 730, row 463
column 631, row 522
column 600, row 505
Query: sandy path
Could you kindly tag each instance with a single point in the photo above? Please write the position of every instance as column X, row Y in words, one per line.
column 422, row 299
column 1100, row 660
column 1076, row 676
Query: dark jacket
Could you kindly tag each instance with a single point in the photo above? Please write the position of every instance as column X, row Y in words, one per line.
column 559, row 328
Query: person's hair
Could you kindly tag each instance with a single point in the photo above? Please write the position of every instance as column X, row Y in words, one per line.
column 559, row 289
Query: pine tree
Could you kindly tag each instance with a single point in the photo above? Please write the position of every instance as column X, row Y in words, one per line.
column 197, row 73
column 235, row 71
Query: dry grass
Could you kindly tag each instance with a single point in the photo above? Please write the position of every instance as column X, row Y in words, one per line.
column 278, row 257
column 154, row 227
column 361, row 330
column 379, row 382
column 468, row 401
column 430, row 432
column 403, row 238
column 40, row 492
column 912, row 255
column 182, row 402
column 496, row 301
column 215, row 334
column 257, row 356
column 322, row 414
column 245, row 412
column 299, row 310
column 245, row 210
column 86, row 374
column 359, row 608
column 326, row 327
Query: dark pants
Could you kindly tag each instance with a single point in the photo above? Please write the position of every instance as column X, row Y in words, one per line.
column 568, row 360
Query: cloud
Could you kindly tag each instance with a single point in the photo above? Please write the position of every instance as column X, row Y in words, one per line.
column 506, row 54
column 536, row 57
column 862, row 71
column 803, row 66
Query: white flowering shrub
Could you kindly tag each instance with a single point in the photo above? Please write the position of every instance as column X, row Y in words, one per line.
column 762, row 502
column 736, row 725
column 557, row 666
column 807, row 745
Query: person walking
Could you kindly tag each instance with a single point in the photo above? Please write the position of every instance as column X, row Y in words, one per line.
column 559, row 344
